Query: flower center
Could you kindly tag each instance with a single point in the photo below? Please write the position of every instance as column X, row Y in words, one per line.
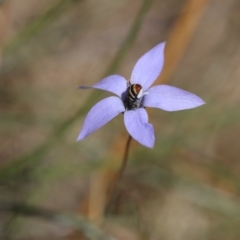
column 134, row 97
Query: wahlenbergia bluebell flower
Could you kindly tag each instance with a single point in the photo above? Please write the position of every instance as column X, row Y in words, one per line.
column 132, row 101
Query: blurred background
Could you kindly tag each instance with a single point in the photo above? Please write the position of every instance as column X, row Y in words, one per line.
column 186, row 187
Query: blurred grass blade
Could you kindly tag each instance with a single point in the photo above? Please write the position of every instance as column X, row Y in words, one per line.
column 180, row 36
column 35, row 27
column 90, row 230
column 4, row 24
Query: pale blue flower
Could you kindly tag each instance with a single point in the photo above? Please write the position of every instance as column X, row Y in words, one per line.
column 144, row 73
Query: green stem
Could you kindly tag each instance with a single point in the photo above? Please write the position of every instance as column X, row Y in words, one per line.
column 114, row 187
column 125, row 158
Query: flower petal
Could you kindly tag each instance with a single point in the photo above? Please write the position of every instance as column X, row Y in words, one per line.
column 136, row 122
column 148, row 67
column 171, row 98
column 113, row 83
column 100, row 114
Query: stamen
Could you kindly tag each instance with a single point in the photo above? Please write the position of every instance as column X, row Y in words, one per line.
column 140, row 94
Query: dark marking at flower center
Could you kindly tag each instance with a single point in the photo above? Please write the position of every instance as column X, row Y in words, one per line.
column 134, row 97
